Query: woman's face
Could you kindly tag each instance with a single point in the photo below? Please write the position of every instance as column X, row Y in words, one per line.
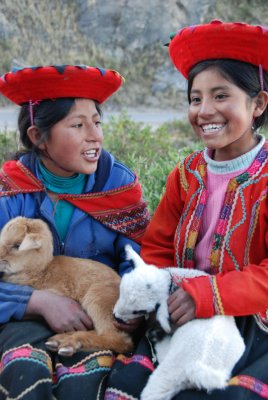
column 222, row 115
column 75, row 142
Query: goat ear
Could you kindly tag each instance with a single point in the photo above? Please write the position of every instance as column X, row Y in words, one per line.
column 162, row 317
column 133, row 256
column 30, row 242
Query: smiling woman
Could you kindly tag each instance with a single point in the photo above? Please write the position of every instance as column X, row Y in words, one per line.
column 213, row 216
column 93, row 206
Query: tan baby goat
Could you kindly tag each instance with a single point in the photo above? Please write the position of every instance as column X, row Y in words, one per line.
column 26, row 258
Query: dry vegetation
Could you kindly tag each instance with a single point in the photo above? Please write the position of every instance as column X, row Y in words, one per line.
column 45, row 32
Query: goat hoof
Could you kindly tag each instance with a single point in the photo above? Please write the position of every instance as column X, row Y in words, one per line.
column 66, row 351
column 52, row 345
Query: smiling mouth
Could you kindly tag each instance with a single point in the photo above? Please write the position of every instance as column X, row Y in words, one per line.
column 212, row 128
column 91, row 154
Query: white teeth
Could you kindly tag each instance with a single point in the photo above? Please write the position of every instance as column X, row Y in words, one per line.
column 91, row 153
column 212, row 127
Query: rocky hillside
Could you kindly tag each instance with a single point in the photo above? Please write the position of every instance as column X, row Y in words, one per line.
column 128, row 35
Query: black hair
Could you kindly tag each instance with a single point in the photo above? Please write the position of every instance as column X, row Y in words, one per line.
column 45, row 114
column 242, row 74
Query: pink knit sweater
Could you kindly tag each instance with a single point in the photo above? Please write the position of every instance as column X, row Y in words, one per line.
column 218, row 176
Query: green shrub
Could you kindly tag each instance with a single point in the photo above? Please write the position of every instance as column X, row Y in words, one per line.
column 8, row 145
column 151, row 154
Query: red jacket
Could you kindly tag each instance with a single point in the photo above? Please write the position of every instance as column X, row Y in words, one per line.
column 239, row 257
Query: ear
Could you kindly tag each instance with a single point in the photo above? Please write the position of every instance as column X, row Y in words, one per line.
column 30, row 242
column 261, row 101
column 34, row 136
column 133, row 256
column 162, row 316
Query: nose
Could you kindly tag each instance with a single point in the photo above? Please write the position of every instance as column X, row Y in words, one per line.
column 118, row 319
column 206, row 108
column 93, row 133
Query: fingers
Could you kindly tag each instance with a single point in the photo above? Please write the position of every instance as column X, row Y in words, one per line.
column 181, row 315
column 62, row 313
column 77, row 320
column 181, row 307
column 86, row 322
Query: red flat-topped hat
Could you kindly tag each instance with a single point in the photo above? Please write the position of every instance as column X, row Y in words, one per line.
column 52, row 82
column 217, row 40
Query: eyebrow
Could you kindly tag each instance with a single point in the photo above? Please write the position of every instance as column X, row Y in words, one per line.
column 96, row 114
column 215, row 89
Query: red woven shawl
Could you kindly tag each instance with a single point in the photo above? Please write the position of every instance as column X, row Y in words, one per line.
column 122, row 209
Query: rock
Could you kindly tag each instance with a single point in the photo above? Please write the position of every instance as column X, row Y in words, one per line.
column 125, row 35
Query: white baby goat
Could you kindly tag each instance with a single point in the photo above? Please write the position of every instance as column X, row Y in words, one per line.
column 201, row 354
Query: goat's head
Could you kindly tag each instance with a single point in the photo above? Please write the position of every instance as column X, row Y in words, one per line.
column 24, row 242
column 142, row 291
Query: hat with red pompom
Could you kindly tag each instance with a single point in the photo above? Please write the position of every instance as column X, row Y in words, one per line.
column 217, row 40
column 32, row 84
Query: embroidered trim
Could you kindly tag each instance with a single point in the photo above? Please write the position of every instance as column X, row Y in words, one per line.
column 250, row 383
column 115, row 394
column 253, row 223
column 4, row 391
column 216, row 296
column 183, row 179
column 28, row 353
column 238, row 184
column 98, row 361
column 32, row 355
column 32, row 387
column 137, row 358
column 193, row 229
column 131, row 221
column 8, row 186
column 119, row 189
column 262, row 322
column 186, row 166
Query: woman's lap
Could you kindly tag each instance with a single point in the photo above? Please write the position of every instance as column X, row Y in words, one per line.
column 250, row 376
column 26, row 366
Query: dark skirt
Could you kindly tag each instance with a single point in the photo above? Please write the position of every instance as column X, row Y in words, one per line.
column 29, row 371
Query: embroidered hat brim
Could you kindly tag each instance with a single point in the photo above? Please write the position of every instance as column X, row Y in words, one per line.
column 217, row 40
column 51, row 82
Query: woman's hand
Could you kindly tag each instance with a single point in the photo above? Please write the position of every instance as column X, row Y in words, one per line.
column 181, row 307
column 129, row 326
column 61, row 313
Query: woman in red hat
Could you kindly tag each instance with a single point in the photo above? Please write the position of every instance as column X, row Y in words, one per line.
column 93, row 205
column 214, row 213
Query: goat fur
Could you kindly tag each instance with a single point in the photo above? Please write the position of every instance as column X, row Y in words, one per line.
column 200, row 354
column 26, row 258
